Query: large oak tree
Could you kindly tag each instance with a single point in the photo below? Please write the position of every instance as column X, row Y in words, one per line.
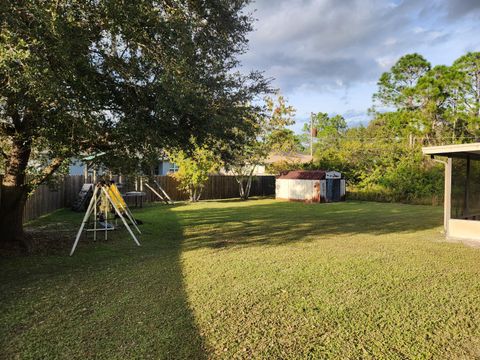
column 80, row 76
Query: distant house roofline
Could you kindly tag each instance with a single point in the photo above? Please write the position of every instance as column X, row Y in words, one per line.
column 288, row 157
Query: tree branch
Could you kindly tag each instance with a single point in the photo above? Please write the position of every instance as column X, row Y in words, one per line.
column 49, row 170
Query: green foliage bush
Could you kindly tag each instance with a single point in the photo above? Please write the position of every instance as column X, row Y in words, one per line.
column 413, row 179
column 194, row 168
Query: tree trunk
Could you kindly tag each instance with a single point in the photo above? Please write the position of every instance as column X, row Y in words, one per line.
column 240, row 187
column 191, row 192
column 13, row 197
column 11, row 218
column 244, row 188
column 199, row 194
column 249, row 184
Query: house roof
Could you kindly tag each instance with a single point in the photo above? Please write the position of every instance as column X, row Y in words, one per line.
column 288, row 157
column 459, row 150
column 304, row 175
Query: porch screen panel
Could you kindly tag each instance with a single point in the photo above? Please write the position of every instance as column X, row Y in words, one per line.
column 465, row 189
column 473, row 203
column 459, row 177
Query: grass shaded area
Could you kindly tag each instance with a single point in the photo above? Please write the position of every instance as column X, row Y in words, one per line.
column 111, row 300
column 256, row 279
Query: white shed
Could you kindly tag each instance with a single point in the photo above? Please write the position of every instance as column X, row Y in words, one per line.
column 310, row 186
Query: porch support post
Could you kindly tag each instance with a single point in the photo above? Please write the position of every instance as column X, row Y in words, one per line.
column 447, row 202
column 466, row 205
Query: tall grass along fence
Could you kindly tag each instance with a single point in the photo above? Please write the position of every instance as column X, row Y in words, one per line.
column 385, row 196
column 50, row 197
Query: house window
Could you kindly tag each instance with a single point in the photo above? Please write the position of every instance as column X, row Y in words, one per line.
column 173, row 168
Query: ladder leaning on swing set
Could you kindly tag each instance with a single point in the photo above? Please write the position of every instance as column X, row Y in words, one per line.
column 108, row 194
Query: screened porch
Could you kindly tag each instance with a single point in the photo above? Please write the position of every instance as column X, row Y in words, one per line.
column 462, row 188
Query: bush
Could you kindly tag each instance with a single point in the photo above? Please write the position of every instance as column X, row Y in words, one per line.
column 411, row 180
column 194, row 169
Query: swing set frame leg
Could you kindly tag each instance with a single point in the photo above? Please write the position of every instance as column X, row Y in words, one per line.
column 93, row 204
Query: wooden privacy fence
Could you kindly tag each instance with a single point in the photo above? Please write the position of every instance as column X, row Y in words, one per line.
column 217, row 187
column 48, row 198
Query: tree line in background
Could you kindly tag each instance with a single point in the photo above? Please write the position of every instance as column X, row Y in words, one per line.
column 415, row 105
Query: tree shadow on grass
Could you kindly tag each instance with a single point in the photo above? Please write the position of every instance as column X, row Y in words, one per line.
column 108, row 301
column 282, row 222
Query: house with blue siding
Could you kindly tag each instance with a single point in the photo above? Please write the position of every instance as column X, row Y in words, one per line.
column 165, row 167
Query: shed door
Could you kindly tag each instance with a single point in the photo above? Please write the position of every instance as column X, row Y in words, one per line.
column 333, row 190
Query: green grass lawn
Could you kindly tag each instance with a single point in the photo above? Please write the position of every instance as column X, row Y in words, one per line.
column 256, row 279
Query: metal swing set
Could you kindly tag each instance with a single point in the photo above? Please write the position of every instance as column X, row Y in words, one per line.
column 106, row 195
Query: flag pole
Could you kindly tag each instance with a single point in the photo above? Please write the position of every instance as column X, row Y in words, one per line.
column 311, row 135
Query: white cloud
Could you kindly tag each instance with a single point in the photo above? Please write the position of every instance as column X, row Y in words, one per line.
column 386, row 62
column 390, row 41
column 418, row 30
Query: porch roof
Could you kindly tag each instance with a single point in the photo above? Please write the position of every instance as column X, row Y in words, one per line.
column 460, row 150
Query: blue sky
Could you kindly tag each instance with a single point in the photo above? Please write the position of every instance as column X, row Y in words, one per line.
column 327, row 55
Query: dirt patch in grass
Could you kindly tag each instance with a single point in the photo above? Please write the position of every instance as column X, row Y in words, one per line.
column 41, row 243
column 50, row 241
